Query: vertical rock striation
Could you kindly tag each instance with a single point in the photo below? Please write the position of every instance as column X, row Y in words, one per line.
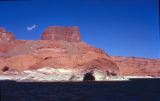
column 70, row 34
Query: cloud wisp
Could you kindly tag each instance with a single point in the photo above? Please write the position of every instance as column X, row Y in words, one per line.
column 30, row 28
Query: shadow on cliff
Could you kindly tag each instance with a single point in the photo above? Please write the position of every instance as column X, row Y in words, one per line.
column 89, row 77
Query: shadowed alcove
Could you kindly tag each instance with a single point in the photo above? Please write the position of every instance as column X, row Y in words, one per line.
column 89, row 77
column 5, row 68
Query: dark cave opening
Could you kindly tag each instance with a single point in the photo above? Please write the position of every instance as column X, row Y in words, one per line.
column 5, row 68
column 89, row 77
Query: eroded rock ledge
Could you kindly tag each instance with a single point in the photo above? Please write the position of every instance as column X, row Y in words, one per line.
column 61, row 74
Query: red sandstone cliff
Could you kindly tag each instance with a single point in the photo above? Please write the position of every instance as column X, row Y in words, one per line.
column 6, row 36
column 137, row 66
column 62, row 47
column 71, row 34
column 6, row 41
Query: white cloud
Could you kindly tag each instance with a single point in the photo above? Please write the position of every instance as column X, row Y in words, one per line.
column 30, row 28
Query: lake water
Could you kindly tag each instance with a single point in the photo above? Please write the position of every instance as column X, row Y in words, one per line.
column 134, row 90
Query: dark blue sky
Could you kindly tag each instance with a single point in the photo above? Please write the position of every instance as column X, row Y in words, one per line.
column 120, row 27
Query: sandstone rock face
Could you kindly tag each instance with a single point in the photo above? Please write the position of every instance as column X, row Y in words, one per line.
column 137, row 66
column 6, row 36
column 61, row 48
column 7, row 40
column 32, row 55
column 71, row 34
column 61, row 55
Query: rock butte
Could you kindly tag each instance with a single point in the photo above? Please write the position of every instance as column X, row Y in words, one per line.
column 70, row 34
column 62, row 53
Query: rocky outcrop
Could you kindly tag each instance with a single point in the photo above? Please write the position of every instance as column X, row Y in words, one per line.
column 7, row 40
column 6, row 36
column 61, row 48
column 62, row 55
column 132, row 66
column 71, row 34
column 59, row 54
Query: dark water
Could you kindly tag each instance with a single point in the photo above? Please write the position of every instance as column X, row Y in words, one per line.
column 135, row 90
